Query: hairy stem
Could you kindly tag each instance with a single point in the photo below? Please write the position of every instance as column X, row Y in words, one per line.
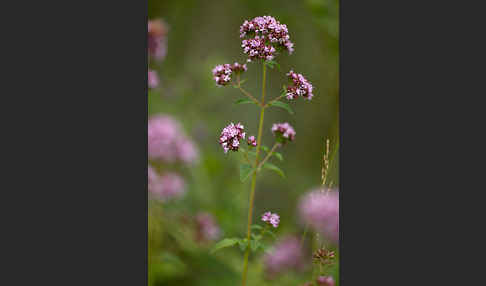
column 253, row 180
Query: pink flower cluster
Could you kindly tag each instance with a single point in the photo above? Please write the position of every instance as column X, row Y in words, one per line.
column 252, row 141
column 286, row 255
column 320, row 210
column 271, row 218
column 207, row 229
column 231, row 136
column 153, row 79
column 267, row 36
column 157, row 39
column 167, row 141
column 222, row 73
column 299, row 87
column 166, row 187
column 325, row 281
column 283, row 131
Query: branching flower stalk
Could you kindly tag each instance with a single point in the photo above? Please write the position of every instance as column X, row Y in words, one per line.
column 263, row 39
column 253, row 180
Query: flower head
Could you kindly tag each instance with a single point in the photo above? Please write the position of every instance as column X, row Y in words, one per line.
column 283, row 131
column 325, row 281
column 231, row 136
column 320, row 210
column 299, row 86
column 157, row 39
column 264, row 36
column 286, row 255
column 167, row 141
column 272, row 219
column 222, row 73
column 153, row 79
column 207, row 229
column 252, row 141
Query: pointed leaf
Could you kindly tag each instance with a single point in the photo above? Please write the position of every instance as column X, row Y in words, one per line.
column 257, row 227
column 244, row 101
column 254, row 245
column 283, row 105
column 278, row 155
column 227, row 242
column 264, row 148
column 274, row 168
column 245, row 171
column 243, row 243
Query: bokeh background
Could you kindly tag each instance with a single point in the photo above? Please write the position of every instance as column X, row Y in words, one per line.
column 201, row 35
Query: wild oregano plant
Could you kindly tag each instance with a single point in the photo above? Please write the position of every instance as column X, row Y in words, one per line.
column 263, row 39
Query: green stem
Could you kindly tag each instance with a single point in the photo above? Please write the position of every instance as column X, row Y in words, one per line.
column 268, row 156
column 253, row 180
column 303, row 236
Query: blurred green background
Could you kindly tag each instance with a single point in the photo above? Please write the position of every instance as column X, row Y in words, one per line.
column 201, row 35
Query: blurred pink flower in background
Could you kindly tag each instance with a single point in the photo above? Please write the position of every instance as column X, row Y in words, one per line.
column 157, row 39
column 166, row 186
column 320, row 210
column 167, row 141
column 173, row 186
column 325, row 281
column 286, row 255
column 207, row 229
column 153, row 79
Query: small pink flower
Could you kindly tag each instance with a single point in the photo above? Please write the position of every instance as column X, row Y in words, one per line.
column 231, row 136
column 283, row 131
column 263, row 37
column 252, row 141
column 222, row 73
column 272, row 219
column 299, row 86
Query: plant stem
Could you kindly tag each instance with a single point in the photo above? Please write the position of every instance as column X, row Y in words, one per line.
column 253, row 180
column 268, row 155
column 273, row 100
column 247, row 93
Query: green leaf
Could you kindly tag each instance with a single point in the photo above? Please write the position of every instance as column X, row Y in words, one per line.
column 271, row 233
column 227, row 242
column 256, row 236
column 245, row 171
column 278, row 155
column 254, row 245
column 274, row 168
column 257, row 227
column 253, row 153
column 282, row 105
column 244, row 101
column 271, row 64
column 264, row 148
column 243, row 243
